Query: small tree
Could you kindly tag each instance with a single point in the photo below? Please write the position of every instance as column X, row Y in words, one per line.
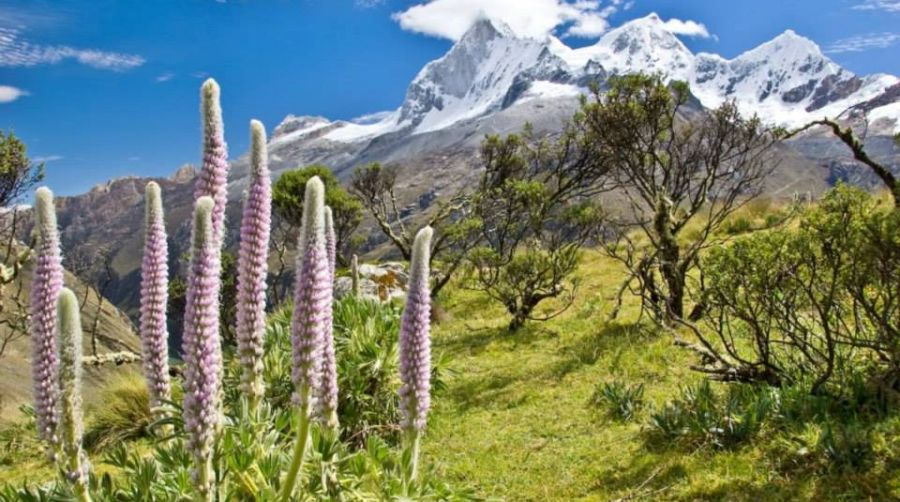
column 375, row 185
column 534, row 212
column 287, row 199
column 675, row 168
column 18, row 175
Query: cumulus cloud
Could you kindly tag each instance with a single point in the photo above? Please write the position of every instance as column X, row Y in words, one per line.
column 531, row 18
column 16, row 52
column 860, row 43
column 885, row 5
column 8, row 93
column 687, row 28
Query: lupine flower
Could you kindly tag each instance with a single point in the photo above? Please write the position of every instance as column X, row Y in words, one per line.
column 46, row 285
column 70, row 369
column 154, row 298
column 201, row 347
column 312, row 295
column 415, row 341
column 312, row 310
column 253, row 267
column 327, row 399
column 415, row 349
column 213, row 177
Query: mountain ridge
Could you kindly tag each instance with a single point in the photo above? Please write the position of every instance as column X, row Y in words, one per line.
column 493, row 82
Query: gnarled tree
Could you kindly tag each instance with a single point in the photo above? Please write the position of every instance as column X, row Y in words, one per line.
column 376, row 186
column 535, row 210
column 676, row 166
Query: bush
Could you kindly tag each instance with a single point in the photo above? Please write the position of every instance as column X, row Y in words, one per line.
column 810, row 305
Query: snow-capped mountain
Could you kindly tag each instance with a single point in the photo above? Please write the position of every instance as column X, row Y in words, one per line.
column 786, row 81
column 493, row 82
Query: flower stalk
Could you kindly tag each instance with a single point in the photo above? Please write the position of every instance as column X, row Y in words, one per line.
column 312, row 305
column 415, row 351
column 253, row 256
column 46, row 285
column 154, row 299
column 328, row 395
column 71, row 418
column 213, row 178
column 201, row 348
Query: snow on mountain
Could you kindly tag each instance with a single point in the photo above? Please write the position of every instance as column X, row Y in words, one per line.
column 787, row 81
column 640, row 45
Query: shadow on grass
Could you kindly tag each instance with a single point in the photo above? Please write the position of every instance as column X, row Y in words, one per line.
column 481, row 392
column 475, row 340
column 587, row 350
column 645, row 478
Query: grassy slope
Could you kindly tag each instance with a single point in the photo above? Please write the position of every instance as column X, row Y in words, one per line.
column 517, row 423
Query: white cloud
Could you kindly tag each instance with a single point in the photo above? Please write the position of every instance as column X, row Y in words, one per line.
column 165, row 77
column 687, row 28
column 8, row 93
column 366, row 4
column 16, row 52
column 860, row 43
column 46, row 158
column 886, row 5
column 533, row 18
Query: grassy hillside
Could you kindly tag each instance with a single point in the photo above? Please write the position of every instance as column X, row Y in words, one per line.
column 517, row 420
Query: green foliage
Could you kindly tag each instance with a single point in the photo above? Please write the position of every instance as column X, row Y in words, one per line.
column 287, row 201
column 676, row 174
column 366, row 348
column 534, row 210
column 811, row 305
column 18, row 174
column 698, row 417
column 620, row 400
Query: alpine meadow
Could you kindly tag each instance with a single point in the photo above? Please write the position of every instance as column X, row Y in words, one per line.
column 603, row 250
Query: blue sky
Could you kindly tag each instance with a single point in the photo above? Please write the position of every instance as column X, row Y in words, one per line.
column 105, row 88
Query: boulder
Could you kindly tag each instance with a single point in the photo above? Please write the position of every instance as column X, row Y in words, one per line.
column 381, row 282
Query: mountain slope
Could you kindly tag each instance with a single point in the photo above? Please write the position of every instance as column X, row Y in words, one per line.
column 493, row 82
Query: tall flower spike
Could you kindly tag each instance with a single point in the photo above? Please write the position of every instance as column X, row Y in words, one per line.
column 46, row 285
column 154, row 298
column 253, row 258
column 415, row 347
column 312, row 305
column 213, row 177
column 327, row 399
column 71, row 424
column 201, row 349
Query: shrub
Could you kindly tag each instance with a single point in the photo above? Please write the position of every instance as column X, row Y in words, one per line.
column 809, row 305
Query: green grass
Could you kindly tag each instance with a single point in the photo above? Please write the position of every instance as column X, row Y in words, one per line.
column 517, row 422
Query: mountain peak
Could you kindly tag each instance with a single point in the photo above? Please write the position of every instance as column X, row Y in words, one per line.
column 791, row 40
column 485, row 30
